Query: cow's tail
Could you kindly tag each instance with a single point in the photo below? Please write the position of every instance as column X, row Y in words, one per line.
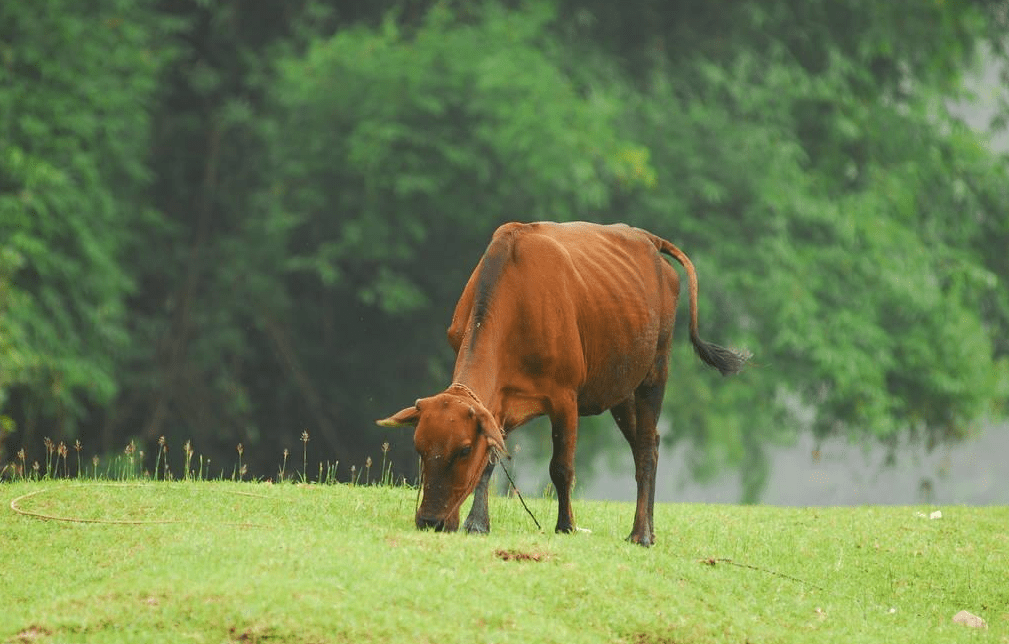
column 727, row 361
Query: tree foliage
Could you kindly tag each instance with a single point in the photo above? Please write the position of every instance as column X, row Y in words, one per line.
column 75, row 88
column 324, row 175
column 850, row 222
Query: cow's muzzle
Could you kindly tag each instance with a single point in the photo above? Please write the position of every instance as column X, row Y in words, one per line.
column 426, row 523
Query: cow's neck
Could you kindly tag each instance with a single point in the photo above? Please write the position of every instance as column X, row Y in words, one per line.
column 481, row 387
column 476, row 373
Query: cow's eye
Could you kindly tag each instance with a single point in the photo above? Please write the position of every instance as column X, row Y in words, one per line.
column 464, row 452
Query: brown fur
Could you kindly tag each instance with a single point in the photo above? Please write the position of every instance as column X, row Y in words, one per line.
column 561, row 320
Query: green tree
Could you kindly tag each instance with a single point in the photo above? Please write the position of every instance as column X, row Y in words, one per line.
column 230, row 222
column 75, row 89
column 844, row 225
column 398, row 151
column 206, row 364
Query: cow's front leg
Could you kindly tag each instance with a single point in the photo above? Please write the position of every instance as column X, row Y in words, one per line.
column 562, row 464
column 478, row 519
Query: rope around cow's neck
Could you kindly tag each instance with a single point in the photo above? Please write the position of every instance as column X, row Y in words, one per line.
column 469, row 392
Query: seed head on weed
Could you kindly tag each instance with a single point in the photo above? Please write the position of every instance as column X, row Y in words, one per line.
column 50, row 449
column 61, row 452
column 304, row 456
column 167, row 473
column 187, row 449
column 157, row 459
column 130, row 450
column 386, row 473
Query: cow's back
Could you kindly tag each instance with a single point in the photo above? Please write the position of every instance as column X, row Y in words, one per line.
column 574, row 306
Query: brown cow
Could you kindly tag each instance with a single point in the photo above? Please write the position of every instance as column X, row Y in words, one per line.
column 562, row 320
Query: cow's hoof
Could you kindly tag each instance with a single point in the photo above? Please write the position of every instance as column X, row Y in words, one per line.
column 645, row 541
column 476, row 527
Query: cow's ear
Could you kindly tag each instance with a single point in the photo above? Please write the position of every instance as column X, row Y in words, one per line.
column 408, row 417
column 489, row 428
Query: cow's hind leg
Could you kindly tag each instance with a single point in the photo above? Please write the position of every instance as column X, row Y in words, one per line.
column 478, row 519
column 564, row 424
column 625, row 416
column 637, row 418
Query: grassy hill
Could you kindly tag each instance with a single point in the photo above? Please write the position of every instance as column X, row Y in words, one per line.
column 244, row 562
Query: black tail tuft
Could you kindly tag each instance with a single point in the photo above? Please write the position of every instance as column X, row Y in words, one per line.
column 727, row 361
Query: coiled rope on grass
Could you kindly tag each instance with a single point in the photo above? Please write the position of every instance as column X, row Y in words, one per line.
column 14, row 505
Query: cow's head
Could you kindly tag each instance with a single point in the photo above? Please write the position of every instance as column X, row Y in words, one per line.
column 456, row 437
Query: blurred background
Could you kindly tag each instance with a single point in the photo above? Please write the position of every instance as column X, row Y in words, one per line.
column 248, row 223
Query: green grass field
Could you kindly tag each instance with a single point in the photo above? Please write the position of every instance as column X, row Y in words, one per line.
column 247, row 562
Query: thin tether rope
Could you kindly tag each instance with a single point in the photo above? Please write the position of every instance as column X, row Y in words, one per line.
column 14, row 505
column 519, row 494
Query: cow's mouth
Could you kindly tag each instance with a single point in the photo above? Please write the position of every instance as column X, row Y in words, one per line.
column 427, row 523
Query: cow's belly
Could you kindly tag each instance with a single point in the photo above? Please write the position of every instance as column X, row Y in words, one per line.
column 611, row 378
